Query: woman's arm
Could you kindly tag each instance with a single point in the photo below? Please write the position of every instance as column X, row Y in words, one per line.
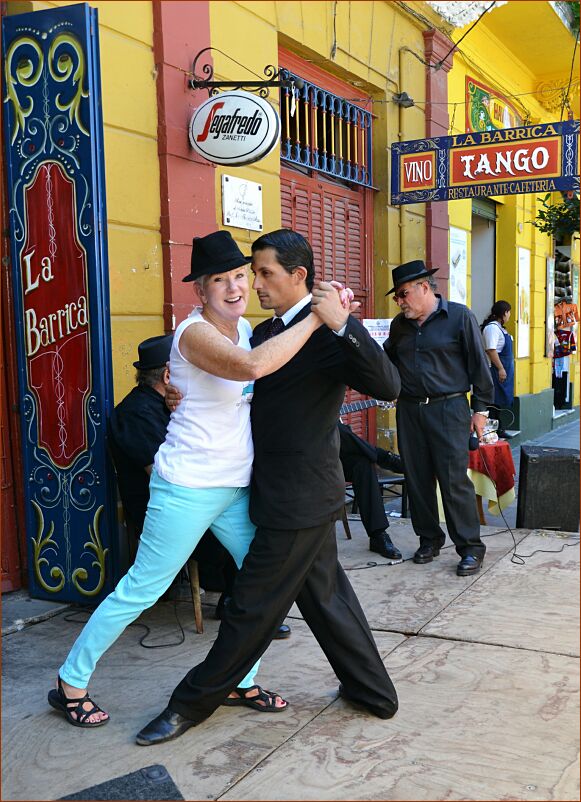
column 495, row 359
column 204, row 346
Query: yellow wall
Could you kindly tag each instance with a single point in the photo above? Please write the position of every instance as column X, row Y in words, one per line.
column 487, row 59
column 131, row 176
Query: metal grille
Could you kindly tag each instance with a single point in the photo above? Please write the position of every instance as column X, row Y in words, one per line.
column 324, row 132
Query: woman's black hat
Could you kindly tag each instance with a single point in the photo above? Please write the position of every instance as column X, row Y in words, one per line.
column 154, row 352
column 408, row 272
column 215, row 253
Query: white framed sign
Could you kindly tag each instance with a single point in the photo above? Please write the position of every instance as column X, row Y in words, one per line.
column 378, row 328
column 458, row 264
column 549, row 308
column 241, row 203
column 524, row 302
column 234, row 128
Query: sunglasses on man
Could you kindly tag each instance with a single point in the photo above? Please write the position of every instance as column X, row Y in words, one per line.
column 399, row 296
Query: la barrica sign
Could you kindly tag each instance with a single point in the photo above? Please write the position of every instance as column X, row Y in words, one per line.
column 510, row 161
column 234, row 128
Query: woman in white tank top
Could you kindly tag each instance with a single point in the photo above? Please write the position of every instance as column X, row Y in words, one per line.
column 202, row 470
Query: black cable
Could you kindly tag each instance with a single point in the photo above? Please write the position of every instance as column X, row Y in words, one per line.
column 439, row 64
column 89, row 610
column 566, row 94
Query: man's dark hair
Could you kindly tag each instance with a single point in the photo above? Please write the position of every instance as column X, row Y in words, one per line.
column 292, row 251
column 151, row 377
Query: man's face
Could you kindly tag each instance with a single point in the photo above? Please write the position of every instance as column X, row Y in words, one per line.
column 414, row 299
column 275, row 286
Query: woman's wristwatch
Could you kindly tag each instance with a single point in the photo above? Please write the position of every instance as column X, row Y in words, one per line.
column 484, row 414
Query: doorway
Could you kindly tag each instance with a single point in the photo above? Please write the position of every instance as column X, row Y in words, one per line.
column 483, row 257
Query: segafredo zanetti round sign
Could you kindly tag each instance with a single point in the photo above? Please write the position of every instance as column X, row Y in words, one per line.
column 234, row 128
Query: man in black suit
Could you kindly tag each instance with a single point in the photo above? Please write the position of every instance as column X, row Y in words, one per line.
column 359, row 458
column 297, row 494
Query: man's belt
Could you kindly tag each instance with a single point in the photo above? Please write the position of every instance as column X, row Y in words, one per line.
column 432, row 399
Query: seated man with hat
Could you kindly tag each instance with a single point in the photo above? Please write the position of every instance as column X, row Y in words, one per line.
column 438, row 350
column 137, row 428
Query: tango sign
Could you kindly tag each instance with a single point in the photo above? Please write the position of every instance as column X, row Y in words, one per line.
column 511, row 161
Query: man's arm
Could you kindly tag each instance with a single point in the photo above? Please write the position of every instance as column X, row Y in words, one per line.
column 365, row 366
column 478, row 372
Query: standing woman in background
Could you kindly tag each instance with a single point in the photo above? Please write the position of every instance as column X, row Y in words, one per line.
column 498, row 345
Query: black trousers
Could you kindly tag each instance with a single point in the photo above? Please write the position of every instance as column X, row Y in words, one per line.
column 281, row 566
column 433, row 443
column 360, row 471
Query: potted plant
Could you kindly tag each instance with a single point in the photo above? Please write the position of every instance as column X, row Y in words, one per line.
column 559, row 220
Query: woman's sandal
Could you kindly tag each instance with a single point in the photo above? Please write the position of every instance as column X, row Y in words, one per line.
column 73, row 708
column 267, row 698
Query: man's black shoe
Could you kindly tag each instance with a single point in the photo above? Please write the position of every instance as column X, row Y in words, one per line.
column 283, row 632
column 469, row 565
column 389, row 461
column 425, row 554
column 380, row 542
column 167, row 726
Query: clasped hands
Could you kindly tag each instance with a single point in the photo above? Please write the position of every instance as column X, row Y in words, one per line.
column 333, row 303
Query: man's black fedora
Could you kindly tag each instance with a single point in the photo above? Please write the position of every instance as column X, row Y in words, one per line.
column 215, row 253
column 154, row 352
column 408, row 272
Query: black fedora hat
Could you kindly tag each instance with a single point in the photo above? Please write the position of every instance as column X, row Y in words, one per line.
column 215, row 253
column 154, row 352
column 408, row 272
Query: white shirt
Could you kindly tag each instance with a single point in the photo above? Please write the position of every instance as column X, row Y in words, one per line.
column 494, row 337
column 209, row 440
column 294, row 310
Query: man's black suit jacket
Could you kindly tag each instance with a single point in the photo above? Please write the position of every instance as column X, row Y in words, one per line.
column 354, row 446
column 297, row 479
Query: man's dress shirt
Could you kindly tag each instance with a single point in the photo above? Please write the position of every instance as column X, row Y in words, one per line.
column 444, row 355
column 137, row 428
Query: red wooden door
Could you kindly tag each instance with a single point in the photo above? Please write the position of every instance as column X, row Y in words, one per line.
column 333, row 218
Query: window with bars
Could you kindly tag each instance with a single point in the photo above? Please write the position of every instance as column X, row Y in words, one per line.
column 325, row 132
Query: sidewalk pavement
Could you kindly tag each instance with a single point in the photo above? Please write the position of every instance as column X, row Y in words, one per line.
column 486, row 670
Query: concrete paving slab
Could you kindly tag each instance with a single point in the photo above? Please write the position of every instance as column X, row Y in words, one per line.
column 405, row 597
column 475, row 722
column 19, row 610
column 46, row 758
column 546, row 617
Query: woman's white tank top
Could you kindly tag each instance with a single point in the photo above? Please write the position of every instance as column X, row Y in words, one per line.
column 208, row 441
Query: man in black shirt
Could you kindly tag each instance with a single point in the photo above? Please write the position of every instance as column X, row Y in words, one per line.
column 438, row 350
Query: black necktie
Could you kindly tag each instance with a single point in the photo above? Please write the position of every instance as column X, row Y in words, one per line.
column 274, row 327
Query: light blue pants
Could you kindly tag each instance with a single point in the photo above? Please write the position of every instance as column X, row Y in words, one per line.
column 176, row 519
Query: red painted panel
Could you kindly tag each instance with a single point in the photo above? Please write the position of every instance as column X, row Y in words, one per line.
column 54, row 281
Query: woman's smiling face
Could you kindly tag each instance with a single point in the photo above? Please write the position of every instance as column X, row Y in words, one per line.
column 226, row 294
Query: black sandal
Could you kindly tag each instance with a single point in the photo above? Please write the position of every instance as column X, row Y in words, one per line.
column 268, row 698
column 61, row 702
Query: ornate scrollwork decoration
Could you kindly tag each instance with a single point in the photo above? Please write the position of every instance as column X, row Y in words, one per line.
column 81, row 574
column 207, row 69
column 44, row 543
column 25, row 74
column 62, row 67
column 273, row 76
column 551, row 94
